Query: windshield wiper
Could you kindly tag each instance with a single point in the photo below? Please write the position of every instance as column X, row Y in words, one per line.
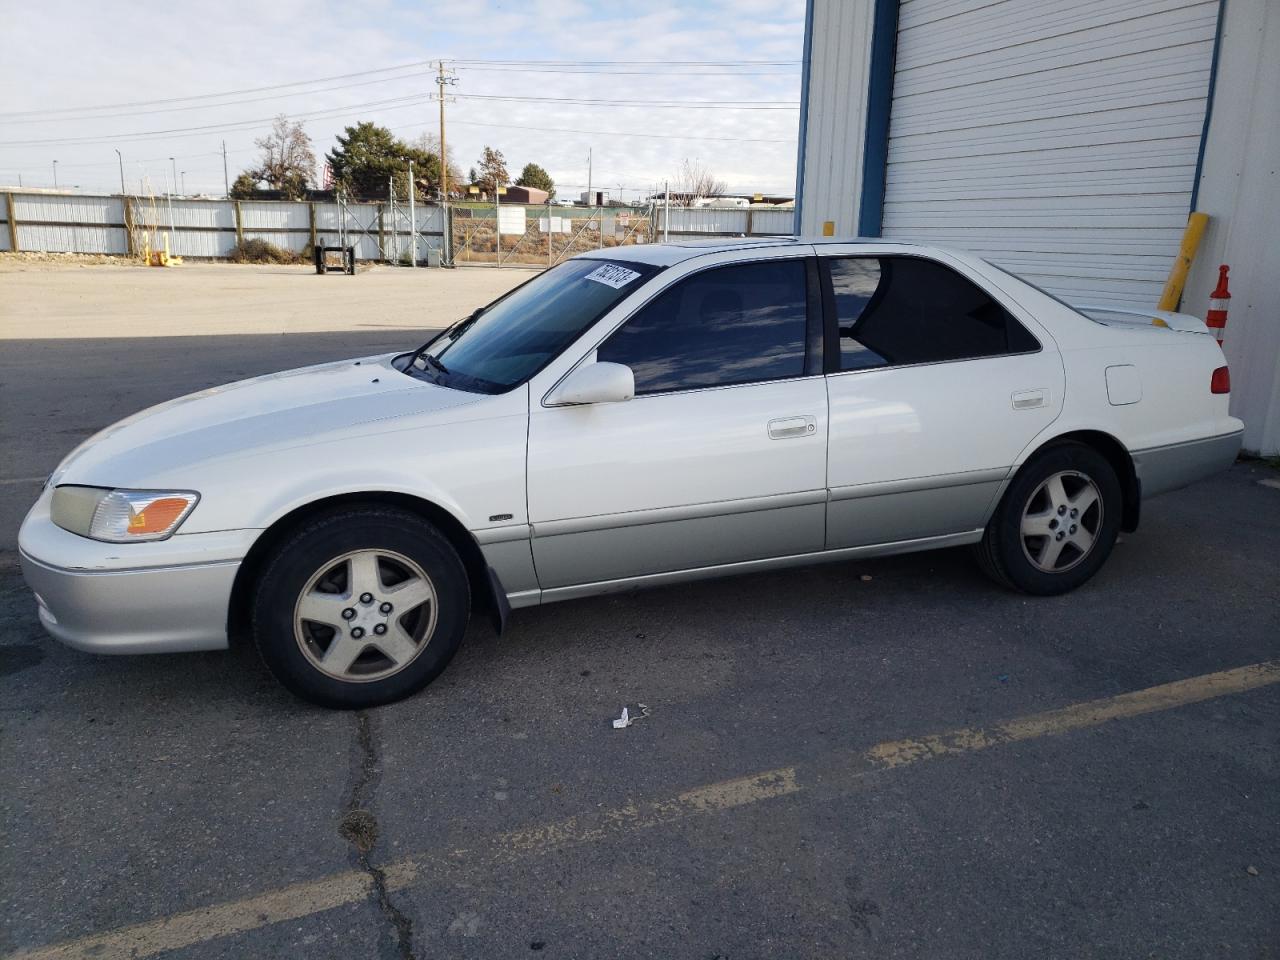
column 453, row 331
column 435, row 364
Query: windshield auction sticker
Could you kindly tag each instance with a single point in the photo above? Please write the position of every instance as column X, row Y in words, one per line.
column 612, row 275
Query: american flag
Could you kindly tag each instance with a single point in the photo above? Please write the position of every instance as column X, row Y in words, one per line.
column 327, row 176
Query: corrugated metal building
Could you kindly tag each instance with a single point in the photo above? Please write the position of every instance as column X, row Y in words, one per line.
column 1065, row 142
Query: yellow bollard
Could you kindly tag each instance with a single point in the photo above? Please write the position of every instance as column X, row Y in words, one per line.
column 1172, row 294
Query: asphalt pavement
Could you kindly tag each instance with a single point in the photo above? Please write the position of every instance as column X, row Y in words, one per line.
column 869, row 759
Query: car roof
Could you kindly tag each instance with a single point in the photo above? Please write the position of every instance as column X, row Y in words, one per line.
column 686, row 248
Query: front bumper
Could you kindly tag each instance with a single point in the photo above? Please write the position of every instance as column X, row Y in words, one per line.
column 147, row 610
column 162, row 596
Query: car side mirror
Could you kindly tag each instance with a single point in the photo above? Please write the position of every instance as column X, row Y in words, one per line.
column 600, row 382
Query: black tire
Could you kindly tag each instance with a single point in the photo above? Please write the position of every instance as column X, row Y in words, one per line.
column 1004, row 553
column 314, row 545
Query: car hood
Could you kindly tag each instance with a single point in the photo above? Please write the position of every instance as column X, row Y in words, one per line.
column 291, row 408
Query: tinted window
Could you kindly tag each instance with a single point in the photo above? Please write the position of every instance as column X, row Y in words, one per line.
column 516, row 335
column 900, row 310
column 722, row 326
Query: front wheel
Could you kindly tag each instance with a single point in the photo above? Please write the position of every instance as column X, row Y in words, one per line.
column 361, row 607
column 1056, row 524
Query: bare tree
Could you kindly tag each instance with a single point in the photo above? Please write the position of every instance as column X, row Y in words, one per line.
column 430, row 143
column 288, row 163
column 694, row 179
column 493, row 170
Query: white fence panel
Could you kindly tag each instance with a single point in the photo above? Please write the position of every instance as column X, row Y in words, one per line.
column 68, row 209
column 709, row 220
column 68, row 224
column 256, row 215
column 197, row 243
column 771, row 223
column 69, row 238
column 207, row 228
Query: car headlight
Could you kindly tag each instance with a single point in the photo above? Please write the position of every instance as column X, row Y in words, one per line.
column 121, row 516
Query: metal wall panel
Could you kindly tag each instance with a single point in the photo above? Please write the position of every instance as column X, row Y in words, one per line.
column 199, row 214
column 281, row 215
column 69, row 238
column 773, row 222
column 64, row 208
column 840, row 57
column 1058, row 140
column 1240, row 190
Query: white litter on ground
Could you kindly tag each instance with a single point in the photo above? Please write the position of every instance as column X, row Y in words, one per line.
column 627, row 720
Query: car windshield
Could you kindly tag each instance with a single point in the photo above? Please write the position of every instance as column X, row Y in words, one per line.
column 517, row 335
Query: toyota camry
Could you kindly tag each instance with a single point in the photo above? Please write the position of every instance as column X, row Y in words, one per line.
column 631, row 417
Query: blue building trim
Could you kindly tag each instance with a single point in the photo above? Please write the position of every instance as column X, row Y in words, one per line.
column 1208, row 107
column 806, row 65
column 875, row 153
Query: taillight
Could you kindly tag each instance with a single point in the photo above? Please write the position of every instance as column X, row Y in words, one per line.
column 1220, row 382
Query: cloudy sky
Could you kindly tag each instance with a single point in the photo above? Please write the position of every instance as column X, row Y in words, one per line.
column 720, row 80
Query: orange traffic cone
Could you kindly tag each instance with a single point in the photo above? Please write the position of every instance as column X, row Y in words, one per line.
column 1219, row 301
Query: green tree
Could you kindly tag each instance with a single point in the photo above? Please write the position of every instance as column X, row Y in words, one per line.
column 245, row 186
column 493, row 170
column 535, row 176
column 368, row 156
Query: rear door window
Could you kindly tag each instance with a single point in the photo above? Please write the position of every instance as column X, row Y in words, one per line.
column 895, row 311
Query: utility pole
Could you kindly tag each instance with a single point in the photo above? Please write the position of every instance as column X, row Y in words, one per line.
column 445, row 227
column 55, row 174
column 413, row 223
column 120, row 157
column 183, row 191
column 666, row 214
column 174, row 164
column 591, row 197
column 226, row 182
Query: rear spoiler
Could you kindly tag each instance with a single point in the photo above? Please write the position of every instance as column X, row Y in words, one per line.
column 1106, row 313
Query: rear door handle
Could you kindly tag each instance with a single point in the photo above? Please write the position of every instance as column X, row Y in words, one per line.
column 787, row 428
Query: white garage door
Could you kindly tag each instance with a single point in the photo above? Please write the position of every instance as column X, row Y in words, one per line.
column 1057, row 139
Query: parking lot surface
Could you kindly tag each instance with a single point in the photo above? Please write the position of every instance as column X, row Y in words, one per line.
column 888, row 758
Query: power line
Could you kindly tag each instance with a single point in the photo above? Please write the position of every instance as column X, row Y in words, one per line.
column 621, row 133
column 394, row 103
column 417, row 64
column 215, row 96
column 626, row 63
column 655, row 104
column 656, row 72
column 215, row 106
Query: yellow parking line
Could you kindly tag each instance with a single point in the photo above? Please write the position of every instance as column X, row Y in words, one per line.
column 1078, row 716
column 304, row 899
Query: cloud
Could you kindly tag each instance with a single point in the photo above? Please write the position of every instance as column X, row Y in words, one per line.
column 86, row 53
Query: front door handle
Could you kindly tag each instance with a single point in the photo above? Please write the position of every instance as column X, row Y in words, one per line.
column 787, row 428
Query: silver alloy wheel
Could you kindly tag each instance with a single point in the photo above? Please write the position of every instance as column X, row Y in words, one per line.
column 365, row 615
column 1061, row 521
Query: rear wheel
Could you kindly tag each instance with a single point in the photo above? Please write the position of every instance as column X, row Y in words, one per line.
column 361, row 607
column 1056, row 524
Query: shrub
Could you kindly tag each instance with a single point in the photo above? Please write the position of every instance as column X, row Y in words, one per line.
column 260, row 251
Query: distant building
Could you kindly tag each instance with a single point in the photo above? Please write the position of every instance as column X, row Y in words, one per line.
column 525, row 195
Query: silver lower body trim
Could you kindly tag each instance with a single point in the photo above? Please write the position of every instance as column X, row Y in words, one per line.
column 146, row 610
column 757, row 566
column 1170, row 467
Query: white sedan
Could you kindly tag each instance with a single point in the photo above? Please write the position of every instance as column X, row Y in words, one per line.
column 628, row 418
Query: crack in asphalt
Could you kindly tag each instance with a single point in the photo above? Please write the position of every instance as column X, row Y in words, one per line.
column 359, row 827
